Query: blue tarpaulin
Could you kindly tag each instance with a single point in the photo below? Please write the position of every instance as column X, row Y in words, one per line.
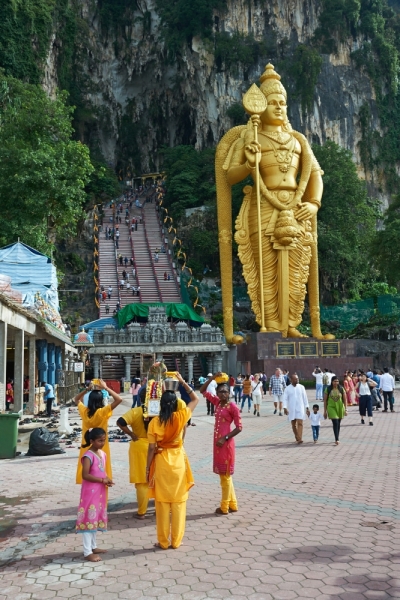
column 30, row 272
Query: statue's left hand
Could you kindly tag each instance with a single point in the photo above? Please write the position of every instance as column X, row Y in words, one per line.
column 307, row 211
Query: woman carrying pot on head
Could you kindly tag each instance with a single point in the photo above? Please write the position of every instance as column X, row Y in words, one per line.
column 135, row 424
column 226, row 413
column 96, row 415
column 363, row 392
column 168, row 470
column 335, row 406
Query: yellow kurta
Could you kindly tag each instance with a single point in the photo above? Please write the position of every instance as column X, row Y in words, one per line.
column 172, row 475
column 138, row 450
column 99, row 419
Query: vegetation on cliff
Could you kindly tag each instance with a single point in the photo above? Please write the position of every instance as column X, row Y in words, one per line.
column 43, row 171
column 347, row 218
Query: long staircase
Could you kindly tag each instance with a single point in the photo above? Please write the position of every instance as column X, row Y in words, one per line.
column 138, row 245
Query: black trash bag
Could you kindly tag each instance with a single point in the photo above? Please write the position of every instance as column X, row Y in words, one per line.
column 43, row 442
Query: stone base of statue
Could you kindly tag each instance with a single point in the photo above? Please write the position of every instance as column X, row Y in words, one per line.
column 263, row 352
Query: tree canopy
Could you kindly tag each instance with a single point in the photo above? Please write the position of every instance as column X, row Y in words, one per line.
column 346, row 224
column 43, row 171
column 386, row 247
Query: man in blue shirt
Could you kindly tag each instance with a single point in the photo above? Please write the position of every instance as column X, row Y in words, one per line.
column 48, row 396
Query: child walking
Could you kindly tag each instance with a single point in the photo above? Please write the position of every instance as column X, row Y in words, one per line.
column 92, row 511
column 315, row 418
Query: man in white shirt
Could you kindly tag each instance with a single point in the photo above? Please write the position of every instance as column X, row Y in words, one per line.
column 211, row 389
column 387, row 387
column 317, row 373
column 295, row 405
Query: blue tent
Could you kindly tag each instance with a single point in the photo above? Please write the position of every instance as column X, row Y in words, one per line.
column 30, row 272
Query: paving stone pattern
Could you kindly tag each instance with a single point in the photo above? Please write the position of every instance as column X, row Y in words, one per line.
column 297, row 534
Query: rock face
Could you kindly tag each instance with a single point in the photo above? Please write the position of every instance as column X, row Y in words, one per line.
column 135, row 91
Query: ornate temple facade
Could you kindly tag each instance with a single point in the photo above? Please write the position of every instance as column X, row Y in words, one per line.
column 195, row 348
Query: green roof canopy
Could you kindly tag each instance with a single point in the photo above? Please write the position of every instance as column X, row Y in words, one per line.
column 178, row 312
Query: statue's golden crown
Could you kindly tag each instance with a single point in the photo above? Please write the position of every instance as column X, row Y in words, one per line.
column 270, row 82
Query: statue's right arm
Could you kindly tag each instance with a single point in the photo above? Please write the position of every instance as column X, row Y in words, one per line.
column 238, row 169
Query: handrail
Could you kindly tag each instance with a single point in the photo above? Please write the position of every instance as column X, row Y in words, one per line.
column 169, row 256
column 116, row 272
column 134, row 260
column 151, row 259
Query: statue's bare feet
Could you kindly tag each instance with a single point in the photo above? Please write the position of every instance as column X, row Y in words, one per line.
column 321, row 336
column 294, row 333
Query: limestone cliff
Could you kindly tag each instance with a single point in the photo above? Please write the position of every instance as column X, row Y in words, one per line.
column 140, row 101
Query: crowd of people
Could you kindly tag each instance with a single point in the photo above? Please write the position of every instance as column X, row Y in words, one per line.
column 158, row 465
column 368, row 391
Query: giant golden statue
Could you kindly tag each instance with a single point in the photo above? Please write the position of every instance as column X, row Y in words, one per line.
column 276, row 229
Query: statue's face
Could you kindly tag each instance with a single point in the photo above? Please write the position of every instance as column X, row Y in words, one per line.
column 276, row 111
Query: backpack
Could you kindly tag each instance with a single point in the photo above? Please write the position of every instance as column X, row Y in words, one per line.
column 325, row 379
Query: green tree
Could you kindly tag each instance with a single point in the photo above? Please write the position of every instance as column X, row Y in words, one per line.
column 346, row 225
column 25, row 31
column 190, row 178
column 386, row 247
column 43, row 171
column 181, row 20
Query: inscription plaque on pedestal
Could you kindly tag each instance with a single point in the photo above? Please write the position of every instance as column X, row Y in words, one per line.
column 330, row 348
column 308, row 349
column 285, row 349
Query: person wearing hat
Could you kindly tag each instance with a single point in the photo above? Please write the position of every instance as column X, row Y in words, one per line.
column 226, row 413
column 211, row 389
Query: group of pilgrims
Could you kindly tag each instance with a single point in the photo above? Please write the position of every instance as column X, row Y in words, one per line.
column 158, row 465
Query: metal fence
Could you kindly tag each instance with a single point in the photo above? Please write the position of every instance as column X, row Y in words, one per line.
column 68, row 386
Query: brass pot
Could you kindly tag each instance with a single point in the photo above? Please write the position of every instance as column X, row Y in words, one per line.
column 171, row 384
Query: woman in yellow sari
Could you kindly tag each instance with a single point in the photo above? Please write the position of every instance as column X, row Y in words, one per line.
column 135, row 425
column 96, row 415
column 168, row 469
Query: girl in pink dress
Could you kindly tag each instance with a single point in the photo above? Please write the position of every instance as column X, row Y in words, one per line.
column 92, row 510
column 226, row 413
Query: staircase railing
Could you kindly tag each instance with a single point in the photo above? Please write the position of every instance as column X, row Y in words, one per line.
column 134, row 261
column 169, row 256
column 151, row 259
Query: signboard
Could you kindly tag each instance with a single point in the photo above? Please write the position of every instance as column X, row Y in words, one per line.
column 330, row 348
column 308, row 349
column 78, row 367
column 285, row 349
column 153, row 408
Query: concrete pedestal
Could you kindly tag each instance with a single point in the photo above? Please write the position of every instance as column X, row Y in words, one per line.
column 263, row 353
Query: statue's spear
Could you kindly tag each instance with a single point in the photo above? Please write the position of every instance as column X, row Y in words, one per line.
column 255, row 103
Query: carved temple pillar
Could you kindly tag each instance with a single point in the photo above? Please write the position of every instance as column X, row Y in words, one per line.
column 32, row 374
column 96, row 365
column 218, row 362
column 18, row 369
column 128, row 360
column 189, row 362
column 3, row 364
column 210, row 363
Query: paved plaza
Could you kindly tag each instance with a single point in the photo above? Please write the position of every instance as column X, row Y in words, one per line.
column 314, row 521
